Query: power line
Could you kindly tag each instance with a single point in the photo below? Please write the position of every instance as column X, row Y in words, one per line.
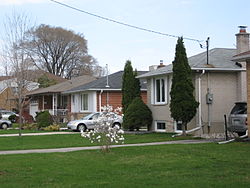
column 122, row 23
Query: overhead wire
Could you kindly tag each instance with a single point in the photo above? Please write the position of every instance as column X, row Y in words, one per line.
column 124, row 24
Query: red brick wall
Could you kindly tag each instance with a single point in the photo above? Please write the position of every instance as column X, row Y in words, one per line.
column 114, row 98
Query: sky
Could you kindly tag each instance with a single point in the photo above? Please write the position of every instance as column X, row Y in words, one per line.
column 114, row 44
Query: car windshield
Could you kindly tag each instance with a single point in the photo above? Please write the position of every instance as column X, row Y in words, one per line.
column 239, row 108
column 89, row 116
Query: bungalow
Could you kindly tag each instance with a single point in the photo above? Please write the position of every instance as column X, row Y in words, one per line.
column 8, row 87
column 51, row 98
column 104, row 91
column 218, row 84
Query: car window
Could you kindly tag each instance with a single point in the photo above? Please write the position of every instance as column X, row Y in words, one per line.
column 239, row 108
column 95, row 116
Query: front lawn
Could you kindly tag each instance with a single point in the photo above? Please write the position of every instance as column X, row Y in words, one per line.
column 74, row 140
column 194, row 165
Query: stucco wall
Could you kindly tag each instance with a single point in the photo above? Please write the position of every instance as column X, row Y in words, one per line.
column 223, row 86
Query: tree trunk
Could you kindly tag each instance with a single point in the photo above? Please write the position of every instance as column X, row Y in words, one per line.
column 183, row 126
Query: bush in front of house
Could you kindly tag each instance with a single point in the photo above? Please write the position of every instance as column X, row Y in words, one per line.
column 29, row 126
column 43, row 119
column 53, row 127
column 137, row 115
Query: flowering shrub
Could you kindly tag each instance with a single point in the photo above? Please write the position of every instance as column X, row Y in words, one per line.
column 105, row 132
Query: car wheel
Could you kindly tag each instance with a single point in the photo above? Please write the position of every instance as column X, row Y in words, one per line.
column 242, row 133
column 81, row 127
column 117, row 124
column 4, row 126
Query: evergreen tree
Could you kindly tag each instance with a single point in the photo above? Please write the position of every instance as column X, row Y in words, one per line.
column 183, row 104
column 137, row 85
column 137, row 115
column 128, row 86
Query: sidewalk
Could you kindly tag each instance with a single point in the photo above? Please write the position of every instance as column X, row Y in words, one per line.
column 38, row 134
column 98, row 147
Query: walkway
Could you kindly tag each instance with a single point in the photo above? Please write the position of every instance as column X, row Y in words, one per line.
column 38, row 134
column 98, row 147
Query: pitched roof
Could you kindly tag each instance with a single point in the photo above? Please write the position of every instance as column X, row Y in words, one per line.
column 66, row 85
column 114, row 83
column 35, row 74
column 219, row 59
column 242, row 56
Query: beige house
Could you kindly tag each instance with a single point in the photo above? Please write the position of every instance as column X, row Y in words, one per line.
column 218, row 85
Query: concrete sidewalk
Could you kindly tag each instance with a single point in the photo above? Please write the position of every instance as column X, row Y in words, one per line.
column 38, row 134
column 98, row 147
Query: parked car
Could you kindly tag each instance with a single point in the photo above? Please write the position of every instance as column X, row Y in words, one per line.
column 6, row 114
column 4, row 124
column 237, row 120
column 89, row 122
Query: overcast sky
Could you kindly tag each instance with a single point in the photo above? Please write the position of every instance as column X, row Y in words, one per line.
column 113, row 44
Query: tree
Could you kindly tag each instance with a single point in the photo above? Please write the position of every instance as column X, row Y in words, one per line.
column 137, row 85
column 59, row 51
column 17, row 62
column 183, row 104
column 130, row 86
column 44, row 81
column 137, row 115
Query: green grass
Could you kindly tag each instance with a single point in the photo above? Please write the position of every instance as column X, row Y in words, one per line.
column 200, row 165
column 73, row 140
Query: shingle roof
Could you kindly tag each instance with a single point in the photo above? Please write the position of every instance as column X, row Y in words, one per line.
column 114, row 82
column 219, row 59
column 242, row 56
column 58, row 88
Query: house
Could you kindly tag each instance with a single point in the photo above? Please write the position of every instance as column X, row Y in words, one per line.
column 8, row 87
column 218, row 83
column 243, row 56
column 104, row 91
column 51, row 98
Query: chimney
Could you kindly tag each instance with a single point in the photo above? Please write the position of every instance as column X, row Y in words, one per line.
column 242, row 40
column 161, row 64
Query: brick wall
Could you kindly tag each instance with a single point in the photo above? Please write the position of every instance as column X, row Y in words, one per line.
column 114, row 98
column 248, row 96
column 7, row 100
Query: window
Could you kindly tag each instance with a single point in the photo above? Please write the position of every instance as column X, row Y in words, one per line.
column 160, row 96
column 84, row 102
column 160, row 126
column 178, row 126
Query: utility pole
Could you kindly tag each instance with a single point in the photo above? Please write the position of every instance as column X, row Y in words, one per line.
column 207, row 45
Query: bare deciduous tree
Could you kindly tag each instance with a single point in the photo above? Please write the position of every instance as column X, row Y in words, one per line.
column 17, row 63
column 59, row 51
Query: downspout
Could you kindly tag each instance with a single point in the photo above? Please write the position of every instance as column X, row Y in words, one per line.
column 100, row 100
column 199, row 97
column 199, row 109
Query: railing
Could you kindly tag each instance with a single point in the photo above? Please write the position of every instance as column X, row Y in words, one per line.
column 58, row 112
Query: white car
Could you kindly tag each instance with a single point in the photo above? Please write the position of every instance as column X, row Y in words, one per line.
column 89, row 122
column 6, row 114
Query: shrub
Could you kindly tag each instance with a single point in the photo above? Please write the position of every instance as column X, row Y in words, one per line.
column 12, row 118
column 43, row 119
column 137, row 115
column 31, row 126
column 53, row 127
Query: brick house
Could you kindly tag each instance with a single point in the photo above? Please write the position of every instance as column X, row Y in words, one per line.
column 52, row 99
column 88, row 98
column 8, row 87
column 243, row 56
